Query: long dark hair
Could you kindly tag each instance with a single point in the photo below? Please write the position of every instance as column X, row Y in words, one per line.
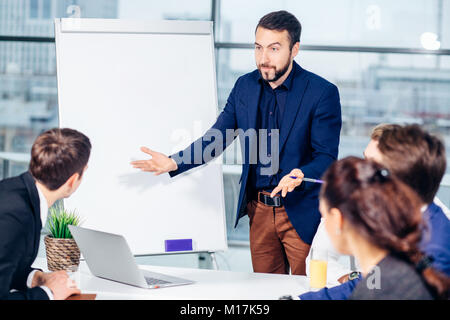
column 383, row 210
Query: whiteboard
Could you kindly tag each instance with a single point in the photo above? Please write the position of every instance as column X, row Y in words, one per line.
column 127, row 84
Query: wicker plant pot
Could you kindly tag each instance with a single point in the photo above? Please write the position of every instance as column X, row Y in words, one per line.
column 61, row 253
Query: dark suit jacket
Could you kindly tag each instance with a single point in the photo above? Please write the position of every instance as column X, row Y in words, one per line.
column 309, row 140
column 20, row 227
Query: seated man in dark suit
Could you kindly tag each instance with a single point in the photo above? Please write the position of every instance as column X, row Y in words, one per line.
column 58, row 159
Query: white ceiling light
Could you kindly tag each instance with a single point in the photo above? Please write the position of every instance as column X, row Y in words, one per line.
column 429, row 41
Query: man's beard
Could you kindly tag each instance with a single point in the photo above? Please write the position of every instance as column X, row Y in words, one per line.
column 278, row 74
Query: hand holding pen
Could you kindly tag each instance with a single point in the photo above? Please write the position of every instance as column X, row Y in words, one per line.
column 290, row 181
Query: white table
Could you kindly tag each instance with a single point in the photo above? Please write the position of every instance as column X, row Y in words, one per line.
column 209, row 285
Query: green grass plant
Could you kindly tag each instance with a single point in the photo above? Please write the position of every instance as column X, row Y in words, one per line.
column 59, row 219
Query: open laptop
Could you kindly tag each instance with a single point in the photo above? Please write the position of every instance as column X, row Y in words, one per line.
column 109, row 256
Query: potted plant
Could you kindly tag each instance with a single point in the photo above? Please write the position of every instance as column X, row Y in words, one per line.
column 60, row 247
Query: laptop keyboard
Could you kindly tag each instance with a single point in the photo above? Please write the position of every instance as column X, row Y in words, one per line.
column 154, row 281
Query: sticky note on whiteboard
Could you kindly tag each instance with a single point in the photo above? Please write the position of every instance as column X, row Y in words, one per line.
column 178, row 245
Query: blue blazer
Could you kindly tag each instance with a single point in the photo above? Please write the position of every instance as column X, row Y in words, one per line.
column 309, row 140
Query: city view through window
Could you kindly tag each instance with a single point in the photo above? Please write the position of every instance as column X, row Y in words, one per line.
column 389, row 59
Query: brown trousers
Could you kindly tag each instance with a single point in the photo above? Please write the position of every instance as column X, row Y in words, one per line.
column 275, row 246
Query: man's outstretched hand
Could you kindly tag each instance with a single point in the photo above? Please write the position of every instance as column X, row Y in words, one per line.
column 158, row 164
column 289, row 182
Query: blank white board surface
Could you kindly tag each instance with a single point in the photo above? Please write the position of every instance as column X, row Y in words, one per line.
column 127, row 84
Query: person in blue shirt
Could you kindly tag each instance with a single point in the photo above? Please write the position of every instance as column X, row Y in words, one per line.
column 418, row 159
column 370, row 214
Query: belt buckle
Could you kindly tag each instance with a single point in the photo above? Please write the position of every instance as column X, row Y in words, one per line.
column 277, row 201
column 268, row 201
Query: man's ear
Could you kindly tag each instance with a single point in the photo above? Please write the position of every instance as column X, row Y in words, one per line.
column 295, row 49
column 74, row 178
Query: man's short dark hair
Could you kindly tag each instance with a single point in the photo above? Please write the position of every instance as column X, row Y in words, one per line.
column 415, row 156
column 57, row 154
column 280, row 21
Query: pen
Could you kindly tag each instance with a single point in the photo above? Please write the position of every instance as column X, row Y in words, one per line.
column 308, row 179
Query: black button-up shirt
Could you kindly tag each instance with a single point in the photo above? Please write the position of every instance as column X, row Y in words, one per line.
column 271, row 108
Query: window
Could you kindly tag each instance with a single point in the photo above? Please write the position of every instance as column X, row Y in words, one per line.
column 380, row 23
column 28, row 94
column 383, row 83
column 46, row 9
column 167, row 10
column 34, row 9
column 40, row 9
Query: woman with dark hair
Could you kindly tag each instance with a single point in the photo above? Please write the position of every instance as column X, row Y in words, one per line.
column 375, row 217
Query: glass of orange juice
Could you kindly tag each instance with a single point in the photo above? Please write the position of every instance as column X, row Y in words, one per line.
column 318, row 268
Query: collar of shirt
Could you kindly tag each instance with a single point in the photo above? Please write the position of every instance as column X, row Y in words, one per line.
column 424, row 208
column 43, row 205
column 286, row 85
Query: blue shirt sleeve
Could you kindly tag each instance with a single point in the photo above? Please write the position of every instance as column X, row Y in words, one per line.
column 341, row 292
column 436, row 238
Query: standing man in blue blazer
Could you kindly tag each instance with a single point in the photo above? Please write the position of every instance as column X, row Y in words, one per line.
column 288, row 121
